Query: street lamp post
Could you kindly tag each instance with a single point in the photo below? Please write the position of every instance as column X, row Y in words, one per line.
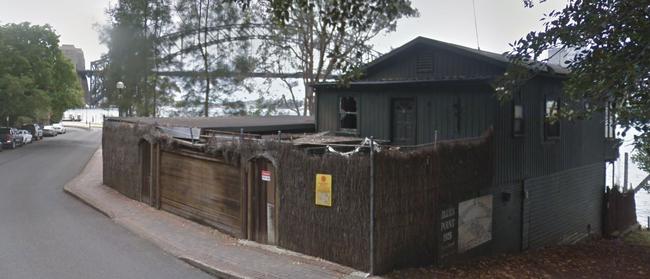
column 87, row 122
column 120, row 86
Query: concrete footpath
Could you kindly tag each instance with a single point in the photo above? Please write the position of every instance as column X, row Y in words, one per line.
column 200, row 246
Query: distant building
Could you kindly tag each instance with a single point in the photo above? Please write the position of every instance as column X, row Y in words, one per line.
column 76, row 56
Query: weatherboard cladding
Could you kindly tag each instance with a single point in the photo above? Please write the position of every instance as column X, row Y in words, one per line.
column 445, row 64
column 435, row 110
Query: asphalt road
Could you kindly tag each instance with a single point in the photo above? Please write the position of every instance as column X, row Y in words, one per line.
column 45, row 233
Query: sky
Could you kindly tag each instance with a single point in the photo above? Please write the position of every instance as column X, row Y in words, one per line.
column 499, row 22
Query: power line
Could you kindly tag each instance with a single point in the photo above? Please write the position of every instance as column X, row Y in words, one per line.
column 478, row 46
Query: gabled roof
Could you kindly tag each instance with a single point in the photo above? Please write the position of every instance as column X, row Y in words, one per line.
column 490, row 57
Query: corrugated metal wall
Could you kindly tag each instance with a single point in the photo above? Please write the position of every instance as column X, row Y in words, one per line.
column 562, row 207
column 580, row 143
column 519, row 159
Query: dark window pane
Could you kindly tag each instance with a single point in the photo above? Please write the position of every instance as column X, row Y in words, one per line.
column 349, row 121
column 348, row 104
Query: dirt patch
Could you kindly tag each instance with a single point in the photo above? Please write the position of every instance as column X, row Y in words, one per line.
column 596, row 259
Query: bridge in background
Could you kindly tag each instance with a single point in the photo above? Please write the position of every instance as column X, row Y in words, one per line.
column 92, row 80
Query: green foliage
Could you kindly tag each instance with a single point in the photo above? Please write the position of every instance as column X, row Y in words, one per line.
column 324, row 37
column 199, row 29
column 36, row 82
column 610, row 61
column 134, row 42
column 213, row 38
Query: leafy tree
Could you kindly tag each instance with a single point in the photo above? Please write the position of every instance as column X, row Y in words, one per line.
column 610, row 61
column 208, row 34
column 134, row 43
column 36, row 81
column 324, row 37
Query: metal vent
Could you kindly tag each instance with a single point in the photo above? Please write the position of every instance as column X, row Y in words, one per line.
column 424, row 63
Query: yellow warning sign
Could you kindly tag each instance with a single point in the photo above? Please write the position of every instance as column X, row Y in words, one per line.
column 323, row 189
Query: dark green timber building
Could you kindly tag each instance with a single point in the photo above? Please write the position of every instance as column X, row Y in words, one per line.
column 549, row 177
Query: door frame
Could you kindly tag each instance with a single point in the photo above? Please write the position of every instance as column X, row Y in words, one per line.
column 145, row 150
column 251, row 174
column 392, row 116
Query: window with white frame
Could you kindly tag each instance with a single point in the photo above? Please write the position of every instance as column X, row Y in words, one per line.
column 518, row 120
column 551, row 120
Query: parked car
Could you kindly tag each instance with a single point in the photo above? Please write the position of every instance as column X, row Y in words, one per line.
column 59, row 128
column 35, row 130
column 19, row 137
column 9, row 137
column 48, row 131
column 26, row 136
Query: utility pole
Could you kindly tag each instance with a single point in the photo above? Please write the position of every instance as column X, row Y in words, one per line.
column 372, row 206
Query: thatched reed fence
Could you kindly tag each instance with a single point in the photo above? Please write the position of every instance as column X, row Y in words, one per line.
column 121, row 152
column 338, row 233
column 410, row 190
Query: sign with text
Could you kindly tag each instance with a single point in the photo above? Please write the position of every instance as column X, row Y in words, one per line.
column 448, row 233
column 266, row 175
column 324, row 189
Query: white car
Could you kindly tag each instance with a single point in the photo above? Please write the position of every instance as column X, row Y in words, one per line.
column 26, row 135
column 48, row 131
column 59, row 128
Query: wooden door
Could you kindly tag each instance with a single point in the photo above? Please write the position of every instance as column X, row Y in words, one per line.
column 404, row 123
column 145, row 158
column 262, row 202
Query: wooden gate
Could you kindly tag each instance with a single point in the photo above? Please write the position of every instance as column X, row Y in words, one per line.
column 202, row 189
column 262, row 201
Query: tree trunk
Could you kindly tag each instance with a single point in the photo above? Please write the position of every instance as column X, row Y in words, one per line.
column 206, row 105
column 310, row 101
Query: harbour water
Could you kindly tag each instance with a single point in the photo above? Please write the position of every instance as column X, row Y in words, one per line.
column 635, row 176
column 642, row 207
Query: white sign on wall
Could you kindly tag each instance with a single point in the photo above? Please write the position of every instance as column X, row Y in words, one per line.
column 474, row 222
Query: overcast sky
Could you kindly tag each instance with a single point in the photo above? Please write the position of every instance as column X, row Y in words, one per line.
column 499, row 21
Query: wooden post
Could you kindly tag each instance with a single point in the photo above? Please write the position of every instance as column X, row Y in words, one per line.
column 158, row 153
column 152, row 169
column 372, row 206
column 625, row 166
column 613, row 174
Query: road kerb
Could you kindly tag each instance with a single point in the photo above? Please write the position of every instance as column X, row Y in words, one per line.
column 88, row 202
column 161, row 229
